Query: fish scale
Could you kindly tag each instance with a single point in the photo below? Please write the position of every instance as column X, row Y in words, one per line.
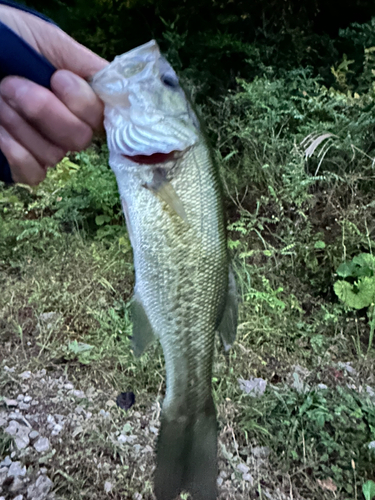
column 182, row 294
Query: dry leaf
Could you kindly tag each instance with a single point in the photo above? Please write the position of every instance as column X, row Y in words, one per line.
column 327, row 484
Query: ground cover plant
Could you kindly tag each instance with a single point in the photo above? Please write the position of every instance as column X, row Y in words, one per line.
column 296, row 394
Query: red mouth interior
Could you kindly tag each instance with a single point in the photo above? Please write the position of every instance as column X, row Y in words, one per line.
column 151, row 159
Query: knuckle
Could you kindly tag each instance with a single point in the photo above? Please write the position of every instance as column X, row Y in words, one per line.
column 53, row 156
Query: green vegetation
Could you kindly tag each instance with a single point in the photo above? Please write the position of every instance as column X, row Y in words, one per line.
column 292, row 125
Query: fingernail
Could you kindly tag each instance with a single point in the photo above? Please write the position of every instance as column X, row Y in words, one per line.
column 67, row 82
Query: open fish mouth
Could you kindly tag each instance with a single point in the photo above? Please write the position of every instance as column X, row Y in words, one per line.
column 155, row 158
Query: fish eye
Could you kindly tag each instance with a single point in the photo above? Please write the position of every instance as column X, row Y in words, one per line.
column 169, row 81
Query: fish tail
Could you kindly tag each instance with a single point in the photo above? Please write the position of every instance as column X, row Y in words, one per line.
column 186, row 457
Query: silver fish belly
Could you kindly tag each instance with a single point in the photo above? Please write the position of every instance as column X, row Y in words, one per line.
column 170, row 191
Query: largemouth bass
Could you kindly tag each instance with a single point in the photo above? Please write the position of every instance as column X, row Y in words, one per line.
column 184, row 292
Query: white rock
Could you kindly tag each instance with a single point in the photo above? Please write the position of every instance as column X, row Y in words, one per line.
column 6, row 462
column 12, row 428
column 57, row 429
column 260, row 451
column 33, row 435
column 20, row 397
column 18, row 497
column 248, row 478
column 243, row 468
column 108, row 486
column 17, row 485
column 41, row 488
column 153, row 429
column 68, row 386
column 42, row 444
column 3, row 422
column 255, row 387
column 11, row 402
column 23, row 406
column 27, row 399
column 16, row 470
column 219, row 481
column 25, row 375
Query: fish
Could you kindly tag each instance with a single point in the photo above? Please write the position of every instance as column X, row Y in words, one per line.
column 184, row 289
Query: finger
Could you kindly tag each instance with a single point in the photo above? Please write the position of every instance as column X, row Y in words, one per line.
column 24, row 167
column 42, row 109
column 78, row 96
column 58, row 47
column 42, row 150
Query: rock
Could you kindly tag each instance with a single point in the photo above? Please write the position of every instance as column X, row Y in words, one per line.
column 6, row 462
column 108, row 486
column 33, row 435
column 347, row 367
column 153, row 429
column 3, row 422
column 69, row 386
column 57, row 429
column 20, row 397
column 322, row 387
column 42, row 444
column 16, row 470
column 104, row 414
column 371, row 446
column 255, row 387
column 260, row 451
column 16, row 485
column 25, row 375
column 77, row 394
column 11, row 402
column 12, row 428
column 18, row 497
column 39, row 490
column 248, row 478
column 27, row 399
column 23, row 406
column 219, row 481
column 3, row 475
column 243, row 468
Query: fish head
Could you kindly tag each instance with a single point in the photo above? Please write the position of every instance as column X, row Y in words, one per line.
column 148, row 118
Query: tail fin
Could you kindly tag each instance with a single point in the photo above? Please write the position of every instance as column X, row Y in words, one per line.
column 187, row 457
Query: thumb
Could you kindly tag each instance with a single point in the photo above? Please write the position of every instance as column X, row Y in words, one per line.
column 53, row 43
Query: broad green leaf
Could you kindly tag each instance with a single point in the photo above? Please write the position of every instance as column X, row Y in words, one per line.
column 356, row 296
column 345, row 270
column 102, row 219
column 368, row 490
column 320, row 245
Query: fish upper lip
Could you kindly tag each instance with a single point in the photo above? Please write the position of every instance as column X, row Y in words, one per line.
column 155, row 158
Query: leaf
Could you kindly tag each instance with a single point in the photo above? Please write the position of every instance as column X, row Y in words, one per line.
column 345, row 270
column 319, row 244
column 364, row 260
column 102, row 219
column 368, row 490
column 357, row 296
column 79, row 347
column 327, row 484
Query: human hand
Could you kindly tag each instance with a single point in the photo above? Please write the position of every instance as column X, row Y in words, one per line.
column 39, row 126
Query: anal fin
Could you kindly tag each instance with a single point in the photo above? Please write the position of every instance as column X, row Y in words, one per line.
column 143, row 334
column 228, row 326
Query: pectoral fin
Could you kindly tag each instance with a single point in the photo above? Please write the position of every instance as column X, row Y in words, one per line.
column 143, row 334
column 164, row 189
column 228, row 325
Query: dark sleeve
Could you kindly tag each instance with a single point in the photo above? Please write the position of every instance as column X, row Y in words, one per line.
column 18, row 58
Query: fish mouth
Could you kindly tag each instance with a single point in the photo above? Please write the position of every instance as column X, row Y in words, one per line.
column 155, row 158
